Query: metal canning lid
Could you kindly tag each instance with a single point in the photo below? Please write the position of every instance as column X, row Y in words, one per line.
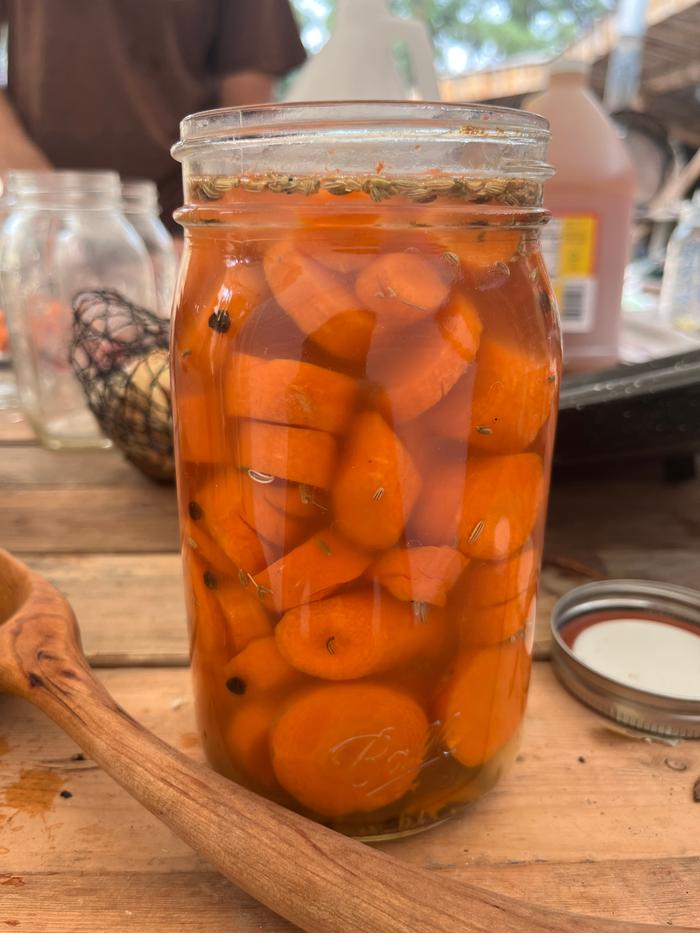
column 630, row 649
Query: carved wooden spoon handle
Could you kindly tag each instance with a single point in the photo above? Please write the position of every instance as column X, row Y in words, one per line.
column 314, row 877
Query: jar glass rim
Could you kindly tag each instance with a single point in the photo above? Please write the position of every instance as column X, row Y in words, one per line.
column 236, row 124
column 23, row 182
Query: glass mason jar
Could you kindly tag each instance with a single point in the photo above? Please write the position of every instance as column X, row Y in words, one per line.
column 141, row 209
column 65, row 233
column 8, row 389
column 366, row 362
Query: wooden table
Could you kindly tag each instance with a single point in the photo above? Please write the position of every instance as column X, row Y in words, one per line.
column 588, row 819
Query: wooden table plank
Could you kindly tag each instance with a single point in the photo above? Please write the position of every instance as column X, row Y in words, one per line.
column 88, row 519
column 616, row 834
column 36, row 466
column 130, row 607
column 14, row 429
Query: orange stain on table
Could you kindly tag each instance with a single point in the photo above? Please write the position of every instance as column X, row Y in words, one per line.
column 34, row 792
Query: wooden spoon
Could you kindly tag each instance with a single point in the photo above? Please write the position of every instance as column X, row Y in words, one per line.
column 314, row 877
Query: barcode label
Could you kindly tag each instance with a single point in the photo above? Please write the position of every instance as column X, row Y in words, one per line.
column 577, row 304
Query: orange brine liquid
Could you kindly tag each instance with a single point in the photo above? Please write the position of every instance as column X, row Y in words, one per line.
column 365, row 397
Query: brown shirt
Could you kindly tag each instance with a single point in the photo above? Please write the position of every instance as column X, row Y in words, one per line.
column 104, row 83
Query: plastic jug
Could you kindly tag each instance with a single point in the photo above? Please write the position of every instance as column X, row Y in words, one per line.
column 360, row 60
column 591, row 196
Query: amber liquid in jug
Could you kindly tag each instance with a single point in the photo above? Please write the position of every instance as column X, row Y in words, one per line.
column 365, row 387
column 591, row 197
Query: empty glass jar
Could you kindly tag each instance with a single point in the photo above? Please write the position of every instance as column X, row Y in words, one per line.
column 65, row 233
column 141, row 208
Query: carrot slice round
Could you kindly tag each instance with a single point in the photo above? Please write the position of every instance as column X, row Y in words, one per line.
column 204, row 614
column 247, row 739
column 311, row 571
column 283, row 530
column 503, row 497
column 415, row 381
column 202, row 435
column 347, row 748
column 319, row 303
column 260, row 669
column 488, row 583
column 355, row 634
column 402, row 289
column 514, row 394
column 290, row 392
column 482, row 701
column 219, row 500
column 245, row 618
column 376, row 484
column 490, row 625
column 297, row 454
column 420, row 574
column 295, row 499
column 436, row 517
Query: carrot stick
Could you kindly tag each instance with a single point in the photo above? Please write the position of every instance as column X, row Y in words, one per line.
column 482, row 701
column 297, row 454
column 490, row 625
column 290, row 392
column 503, row 497
column 376, row 484
column 436, row 517
column 219, row 502
column 311, row 571
column 260, row 670
column 417, row 378
column 347, row 748
column 356, row 634
column 420, row 574
column 319, row 303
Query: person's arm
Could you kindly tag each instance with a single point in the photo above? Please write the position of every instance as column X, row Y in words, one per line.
column 245, row 87
column 16, row 148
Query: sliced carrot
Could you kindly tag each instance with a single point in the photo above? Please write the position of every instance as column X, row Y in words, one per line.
column 451, row 417
column 319, row 303
column 346, row 748
column 514, row 394
column 436, row 517
column 341, row 232
column 311, row 571
column 247, row 739
column 482, row 701
column 290, row 392
column 283, row 530
column 202, row 432
column 420, row 574
column 402, row 289
column 488, row 583
column 480, row 250
column 205, row 327
column 205, row 618
column 503, row 497
column 260, row 669
column 220, row 502
column 197, row 539
column 376, row 484
column 245, row 618
column 295, row 499
column 491, row 625
column 297, row 454
column 356, row 634
column 423, row 369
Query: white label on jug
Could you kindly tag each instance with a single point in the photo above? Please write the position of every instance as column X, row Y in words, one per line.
column 569, row 250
